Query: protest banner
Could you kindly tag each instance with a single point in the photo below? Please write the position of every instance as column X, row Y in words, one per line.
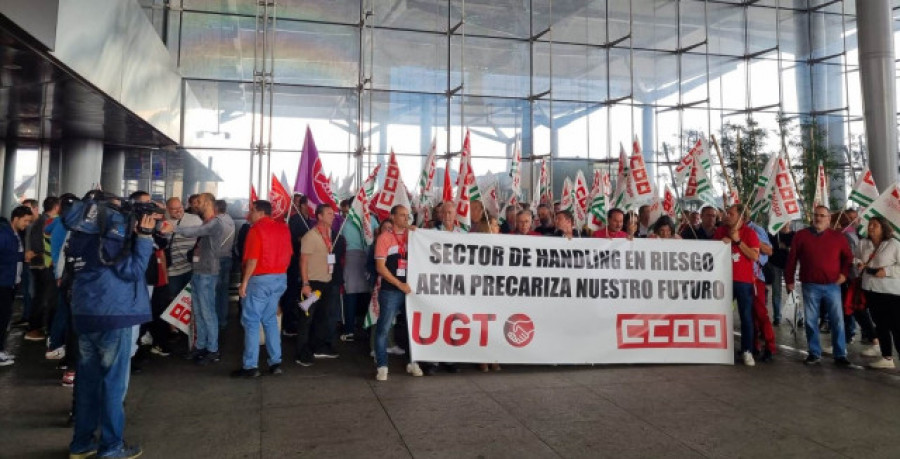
column 178, row 314
column 523, row 299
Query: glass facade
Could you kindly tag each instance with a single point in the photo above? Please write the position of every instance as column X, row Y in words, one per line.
column 573, row 79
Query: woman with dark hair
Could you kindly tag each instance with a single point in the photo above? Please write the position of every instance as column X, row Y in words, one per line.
column 664, row 228
column 878, row 258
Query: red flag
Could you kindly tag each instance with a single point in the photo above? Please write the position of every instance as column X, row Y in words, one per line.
column 448, row 186
column 393, row 191
column 253, row 195
column 279, row 198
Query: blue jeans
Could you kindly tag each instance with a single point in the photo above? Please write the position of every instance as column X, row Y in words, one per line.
column 829, row 296
column 743, row 293
column 350, row 304
column 260, row 306
column 103, row 369
column 203, row 307
column 777, row 278
column 390, row 303
column 60, row 324
column 222, row 291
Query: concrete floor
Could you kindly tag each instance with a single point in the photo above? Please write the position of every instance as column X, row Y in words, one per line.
column 336, row 409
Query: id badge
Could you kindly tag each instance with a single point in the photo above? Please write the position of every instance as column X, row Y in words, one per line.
column 401, row 267
column 196, row 258
column 331, row 259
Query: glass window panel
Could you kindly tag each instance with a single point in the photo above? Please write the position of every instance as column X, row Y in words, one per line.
column 493, row 67
column 493, row 124
column 579, row 72
column 827, row 86
column 619, row 73
column 223, row 173
column 827, row 34
column 655, row 24
column 768, row 122
column 428, row 16
column 793, row 30
column 763, row 88
column 217, row 47
column 625, row 121
column 541, row 142
column 656, row 77
column 316, row 54
column 217, row 114
column 330, row 113
column 726, row 29
column 693, row 78
column 406, row 122
column 761, row 29
column 695, row 119
column 541, row 67
column 619, row 19
column 693, row 23
column 854, row 89
column 666, row 131
column 794, row 80
column 410, row 61
column 24, row 172
column 570, row 123
column 345, row 11
column 580, row 22
column 727, row 83
column 494, row 18
column 598, row 132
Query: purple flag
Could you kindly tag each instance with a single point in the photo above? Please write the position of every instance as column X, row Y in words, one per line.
column 311, row 179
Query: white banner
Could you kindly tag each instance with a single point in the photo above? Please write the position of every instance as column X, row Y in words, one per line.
column 179, row 312
column 524, row 299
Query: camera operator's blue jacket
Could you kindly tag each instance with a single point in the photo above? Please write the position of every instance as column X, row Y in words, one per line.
column 108, row 297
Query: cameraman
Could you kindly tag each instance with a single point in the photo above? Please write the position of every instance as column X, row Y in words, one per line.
column 108, row 300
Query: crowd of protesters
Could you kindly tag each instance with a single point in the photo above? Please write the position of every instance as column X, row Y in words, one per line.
column 316, row 275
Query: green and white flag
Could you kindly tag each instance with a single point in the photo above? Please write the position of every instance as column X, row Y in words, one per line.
column 864, row 191
column 426, row 178
column 359, row 210
column 515, row 169
column 888, row 206
column 761, row 200
column 599, row 190
column 620, row 195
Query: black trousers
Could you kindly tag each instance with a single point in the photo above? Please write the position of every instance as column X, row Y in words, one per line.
column 315, row 332
column 7, row 296
column 885, row 310
column 45, row 299
column 290, row 313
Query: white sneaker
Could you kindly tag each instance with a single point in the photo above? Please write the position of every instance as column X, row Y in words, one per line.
column 381, row 374
column 413, row 369
column 872, row 351
column 146, row 339
column 56, row 354
column 396, row 350
column 748, row 359
column 6, row 359
column 883, row 363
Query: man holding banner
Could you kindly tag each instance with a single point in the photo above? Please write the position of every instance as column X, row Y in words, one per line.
column 391, row 263
column 744, row 253
column 824, row 256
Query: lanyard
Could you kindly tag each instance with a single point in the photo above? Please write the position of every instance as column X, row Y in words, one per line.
column 401, row 244
column 326, row 238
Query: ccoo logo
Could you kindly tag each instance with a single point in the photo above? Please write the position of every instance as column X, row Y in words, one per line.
column 518, row 330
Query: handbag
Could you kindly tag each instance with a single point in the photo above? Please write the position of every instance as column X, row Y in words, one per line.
column 855, row 300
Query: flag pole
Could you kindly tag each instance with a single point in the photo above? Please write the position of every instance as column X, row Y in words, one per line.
column 675, row 188
column 728, row 183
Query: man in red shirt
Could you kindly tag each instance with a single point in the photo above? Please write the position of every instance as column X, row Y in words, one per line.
column 744, row 252
column 391, row 265
column 267, row 253
column 825, row 259
column 615, row 221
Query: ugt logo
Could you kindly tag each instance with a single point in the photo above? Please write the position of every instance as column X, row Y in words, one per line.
column 456, row 329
